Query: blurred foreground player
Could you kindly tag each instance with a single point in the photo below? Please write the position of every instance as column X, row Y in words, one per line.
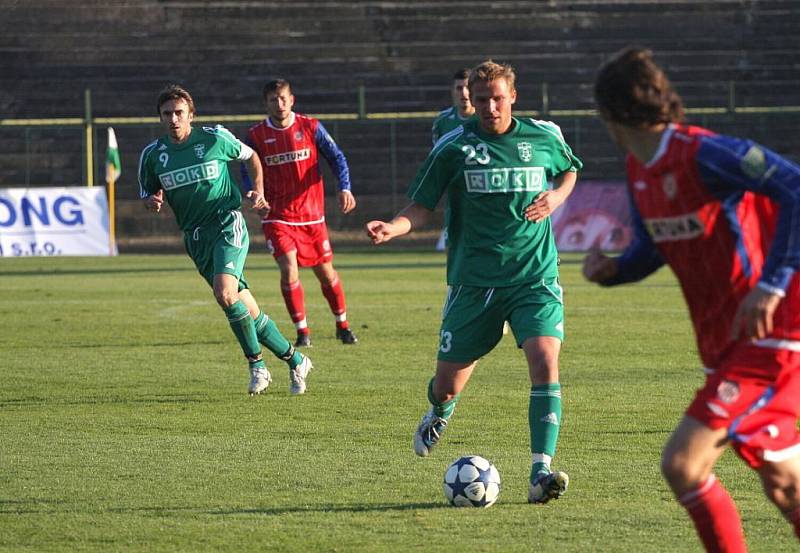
column 188, row 168
column 724, row 214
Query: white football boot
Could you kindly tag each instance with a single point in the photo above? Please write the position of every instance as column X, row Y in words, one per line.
column 297, row 376
column 259, row 381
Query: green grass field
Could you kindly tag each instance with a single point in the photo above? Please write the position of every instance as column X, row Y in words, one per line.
column 125, row 423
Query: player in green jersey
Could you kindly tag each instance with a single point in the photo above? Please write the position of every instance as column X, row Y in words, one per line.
column 189, row 169
column 460, row 112
column 502, row 261
column 448, row 119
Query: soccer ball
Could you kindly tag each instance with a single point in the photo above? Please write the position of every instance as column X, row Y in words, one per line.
column 471, row 481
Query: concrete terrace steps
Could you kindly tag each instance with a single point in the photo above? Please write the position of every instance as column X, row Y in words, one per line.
column 403, row 53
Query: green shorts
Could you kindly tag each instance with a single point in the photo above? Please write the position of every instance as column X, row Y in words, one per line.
column 220, row 247
column 473, row 317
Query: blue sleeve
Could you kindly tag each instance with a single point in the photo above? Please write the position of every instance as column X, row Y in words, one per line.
column 247, row 184
column 336, row 160
column 640, row 259
column 732, row 165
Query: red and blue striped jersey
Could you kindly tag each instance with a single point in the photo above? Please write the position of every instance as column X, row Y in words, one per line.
column 290, row 158
column 724, row 214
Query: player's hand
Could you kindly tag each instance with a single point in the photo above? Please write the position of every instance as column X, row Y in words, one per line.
column 347, row 202
column 379, row 231
column 257, row 200
column 258, row 203
column 155, row 201
column 543, row 206
column 753, row 318
column 598, row 267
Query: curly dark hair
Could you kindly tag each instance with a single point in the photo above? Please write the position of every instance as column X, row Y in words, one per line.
column 633, row 90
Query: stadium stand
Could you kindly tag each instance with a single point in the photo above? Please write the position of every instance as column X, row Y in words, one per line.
column 720, row 54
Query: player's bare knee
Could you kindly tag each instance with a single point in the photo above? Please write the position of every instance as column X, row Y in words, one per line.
column 226, row 297
column 780, row 486
column 543, row 368
column 680, row 472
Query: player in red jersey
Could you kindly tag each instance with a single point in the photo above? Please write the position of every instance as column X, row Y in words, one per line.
column 289, row 145
column 724, row 214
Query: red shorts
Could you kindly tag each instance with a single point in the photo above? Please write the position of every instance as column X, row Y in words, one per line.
column 755, row 394
column 309, row 241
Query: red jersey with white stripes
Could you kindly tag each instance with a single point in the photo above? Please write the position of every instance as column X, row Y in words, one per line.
column 724, row 214
column 292, row 180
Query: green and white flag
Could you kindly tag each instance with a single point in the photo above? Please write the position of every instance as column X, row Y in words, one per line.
column 113, row 166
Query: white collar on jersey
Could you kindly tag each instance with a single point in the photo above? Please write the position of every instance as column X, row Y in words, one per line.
column 662, row 146
column 271, row 126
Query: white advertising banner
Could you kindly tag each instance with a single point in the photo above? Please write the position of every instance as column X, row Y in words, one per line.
column 54, row 221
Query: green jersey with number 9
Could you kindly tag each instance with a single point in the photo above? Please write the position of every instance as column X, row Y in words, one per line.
column 490, row 180
column 194, row 174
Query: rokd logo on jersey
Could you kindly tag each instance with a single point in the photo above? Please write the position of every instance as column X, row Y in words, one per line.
column 510, row 179
column 189, row 175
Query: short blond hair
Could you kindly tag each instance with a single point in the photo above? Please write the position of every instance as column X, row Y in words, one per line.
column 489, row 71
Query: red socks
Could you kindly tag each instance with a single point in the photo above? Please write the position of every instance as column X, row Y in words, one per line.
column 294, row 297
column 334, row 293
column 715, row 517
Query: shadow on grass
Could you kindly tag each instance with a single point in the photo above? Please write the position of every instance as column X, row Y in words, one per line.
column 127, row 346
column 29, row 506
column 105, row 400
column 354, row 508
column 248, row 269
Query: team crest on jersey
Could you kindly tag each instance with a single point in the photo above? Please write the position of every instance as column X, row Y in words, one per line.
column 200, row 150
column 525, row 151
column 670, row 186
column 298, row 136
column 728, row 391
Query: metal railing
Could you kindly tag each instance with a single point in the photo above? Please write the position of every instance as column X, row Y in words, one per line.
column 88, row 123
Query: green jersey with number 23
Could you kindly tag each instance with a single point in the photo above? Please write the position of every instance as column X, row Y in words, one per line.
column 490, row 179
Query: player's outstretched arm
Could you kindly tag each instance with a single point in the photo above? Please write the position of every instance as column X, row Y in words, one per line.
column 410, row 217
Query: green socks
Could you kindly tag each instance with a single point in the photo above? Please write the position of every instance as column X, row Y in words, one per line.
column 245, row 331
column 443, row 410
column 544, row 421
column 250, row 332
column 269, row 335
